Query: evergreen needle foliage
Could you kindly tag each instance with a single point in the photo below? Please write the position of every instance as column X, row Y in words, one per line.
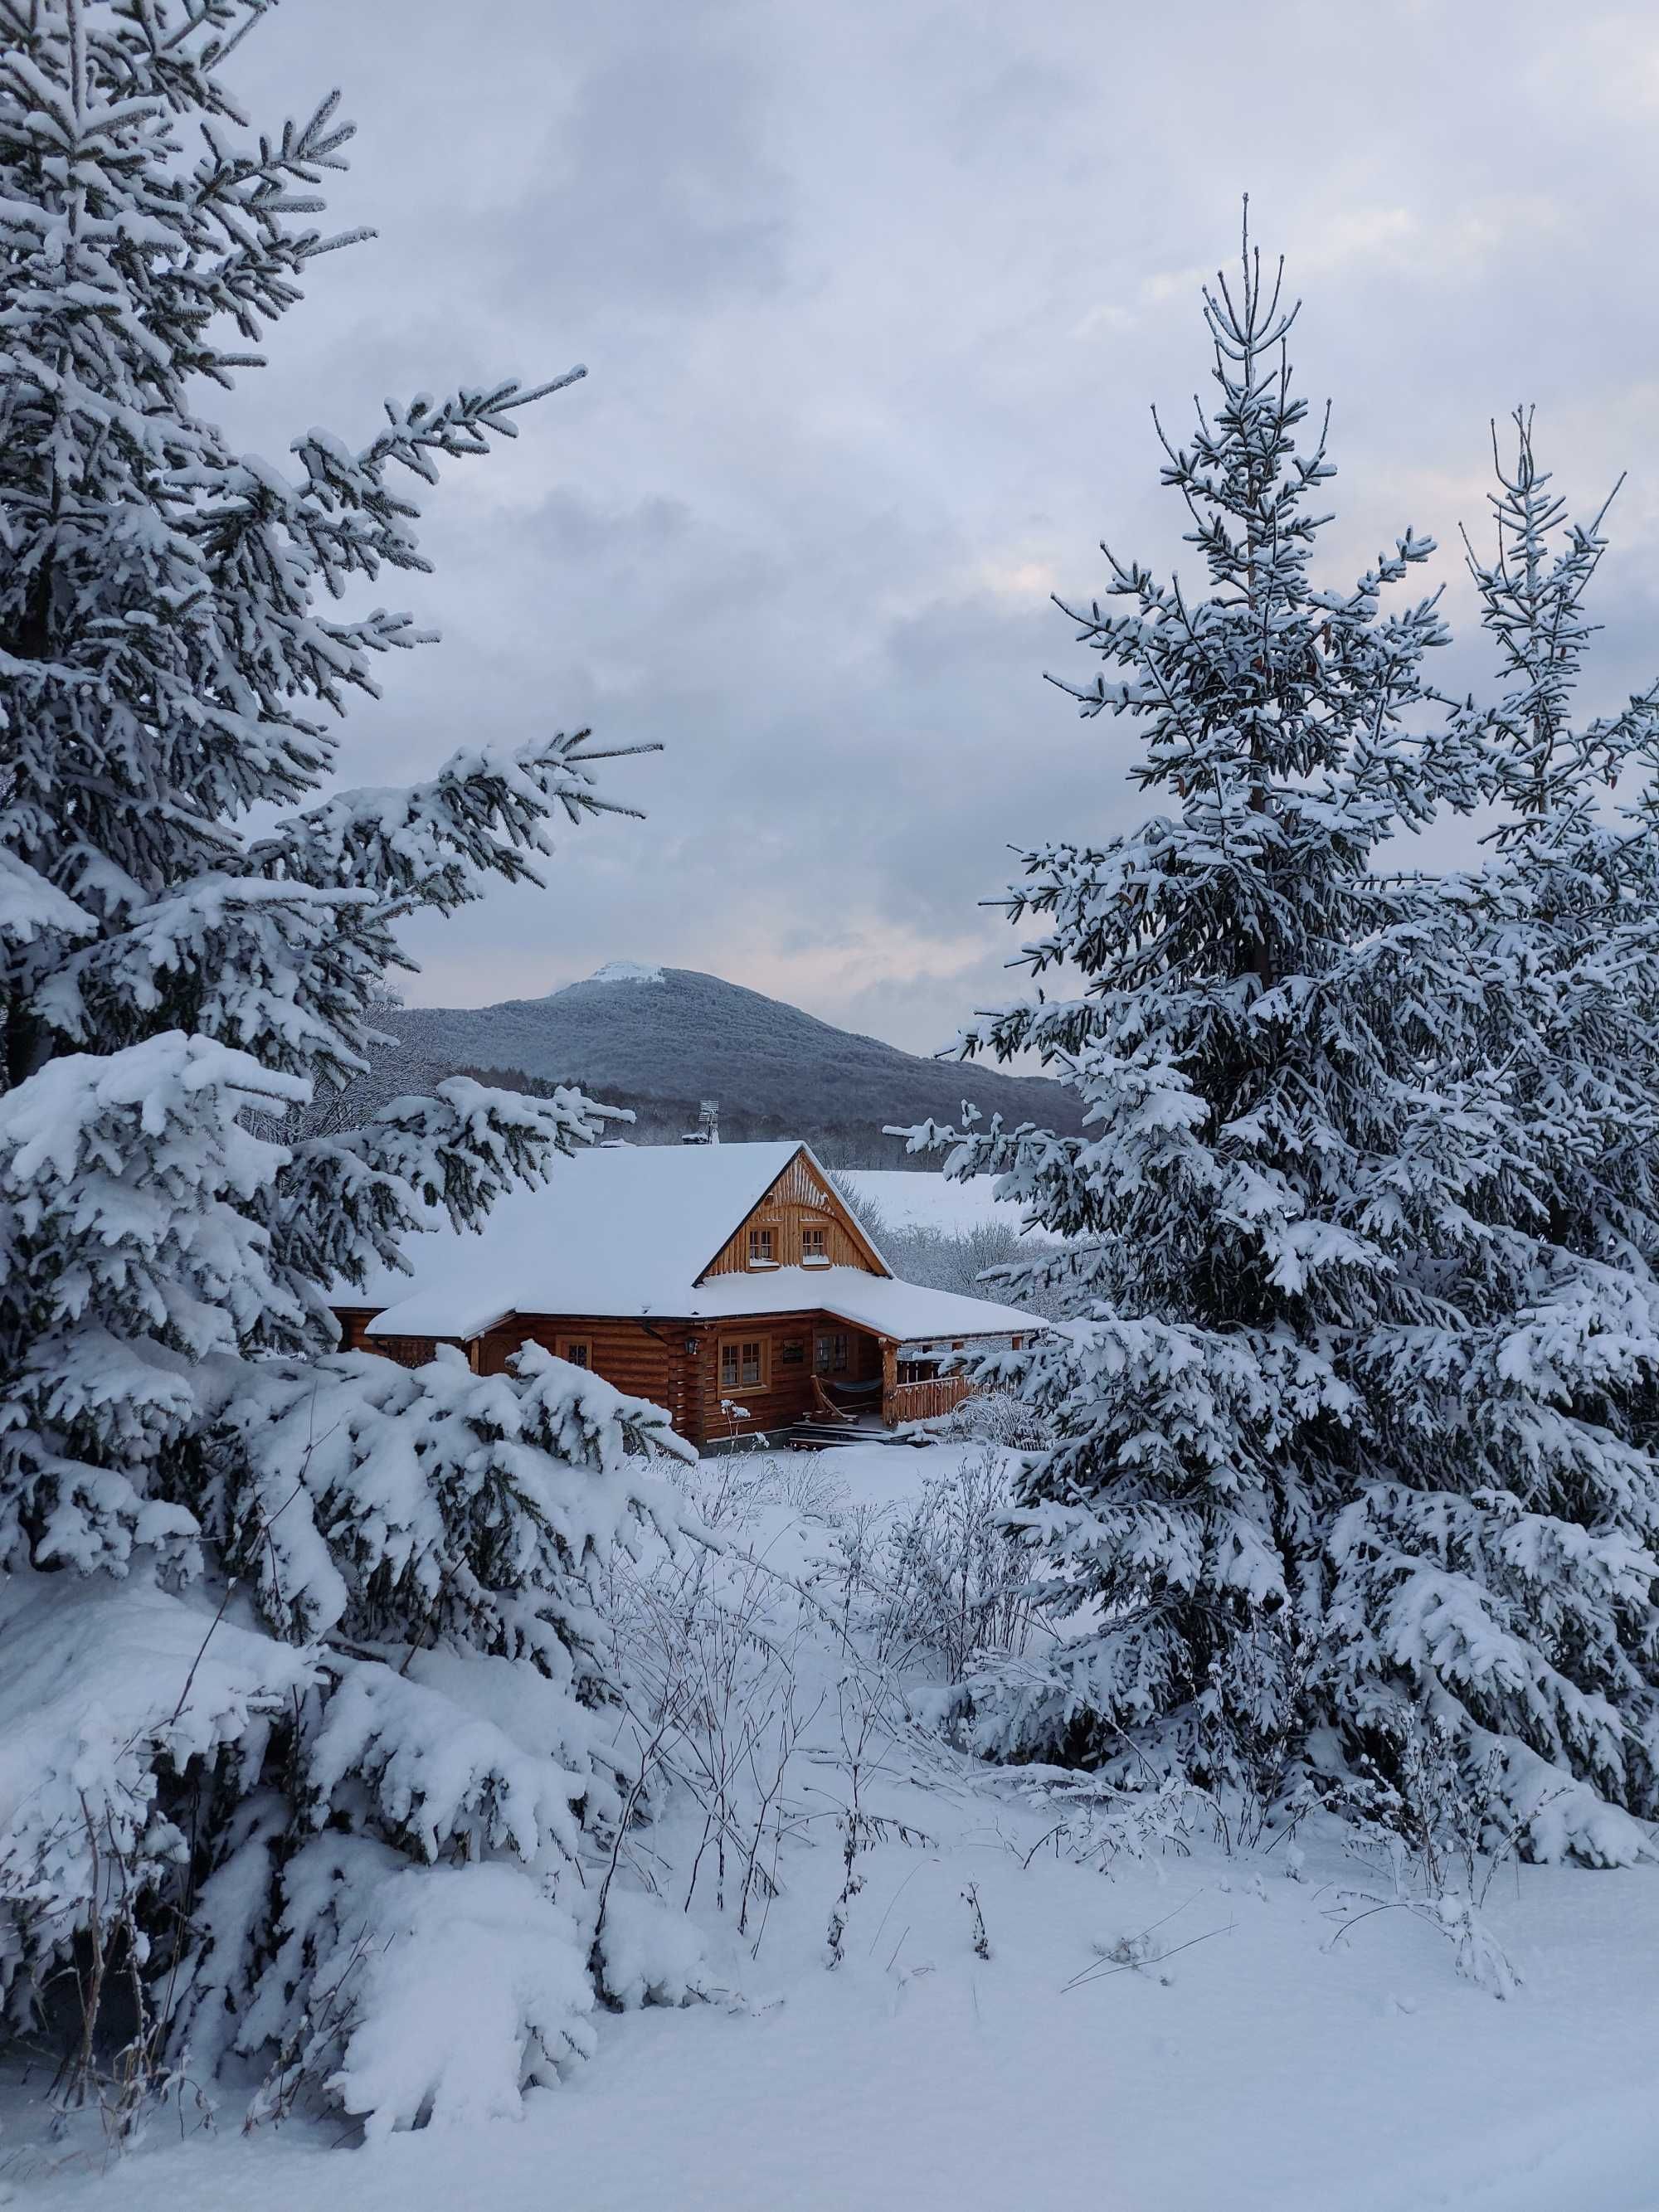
column 1355, row 1423
column 278, row 1628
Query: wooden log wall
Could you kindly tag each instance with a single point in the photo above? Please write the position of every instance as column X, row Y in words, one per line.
column 403, row 1350
column 644, row 1359
column 651, row 1360
column 786, row 1394
column 353, row 1320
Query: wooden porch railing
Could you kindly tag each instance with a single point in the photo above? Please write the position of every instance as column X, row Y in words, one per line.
column 924, row 1401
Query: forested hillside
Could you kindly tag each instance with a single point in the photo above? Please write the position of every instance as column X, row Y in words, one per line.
column 660, row 1041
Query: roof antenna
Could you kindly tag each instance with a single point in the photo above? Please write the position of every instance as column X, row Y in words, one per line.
column 707, row 1131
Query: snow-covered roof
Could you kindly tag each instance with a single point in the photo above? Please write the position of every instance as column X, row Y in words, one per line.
column 907, row 1312
column 627, row 1232
column 614, row 1230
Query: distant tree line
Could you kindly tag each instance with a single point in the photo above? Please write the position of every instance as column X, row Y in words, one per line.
column 660, row 1117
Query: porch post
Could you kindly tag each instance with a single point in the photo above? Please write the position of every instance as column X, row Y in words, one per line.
column 888, row 1382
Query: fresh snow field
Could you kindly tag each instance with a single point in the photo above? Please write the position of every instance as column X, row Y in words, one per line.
column 928, row 1200
column 1256, row 2068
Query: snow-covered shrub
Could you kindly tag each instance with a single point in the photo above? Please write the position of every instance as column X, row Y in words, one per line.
column 1431, row 1826
column 649, row 1952
column 1095, row 1823
column 1353, row 1403
column 110, row 1692
column 708, row 1638
column 1002, row 1418
column 955, row 1576
column 299, row 1653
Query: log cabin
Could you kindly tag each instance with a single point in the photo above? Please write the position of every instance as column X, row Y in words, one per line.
column 729, row 1284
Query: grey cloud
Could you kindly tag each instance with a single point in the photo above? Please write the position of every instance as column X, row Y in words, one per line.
column 653, row 197
column 875, row 299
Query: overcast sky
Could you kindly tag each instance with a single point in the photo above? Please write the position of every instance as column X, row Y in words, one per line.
column 874, row 295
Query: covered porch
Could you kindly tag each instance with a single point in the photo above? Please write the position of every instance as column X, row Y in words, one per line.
column 885, row 1384
column 889, row 1406
column 814, row 1378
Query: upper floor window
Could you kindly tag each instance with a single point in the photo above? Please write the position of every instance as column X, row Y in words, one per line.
column 814, row 1245
column 760, row 1254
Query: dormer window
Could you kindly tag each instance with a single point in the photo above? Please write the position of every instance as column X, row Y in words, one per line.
column 814, row 1251
column 760, row 1254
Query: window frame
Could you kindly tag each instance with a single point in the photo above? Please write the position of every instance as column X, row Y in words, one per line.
column 737, row 1345
column 763, row 1249
column 570, row 1345
column 821, row 1337
column 814, row 1255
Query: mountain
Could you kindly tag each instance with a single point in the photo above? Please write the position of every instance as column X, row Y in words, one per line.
column 661, row 1040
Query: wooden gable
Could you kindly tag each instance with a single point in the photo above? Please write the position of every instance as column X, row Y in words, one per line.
column 802, row 1208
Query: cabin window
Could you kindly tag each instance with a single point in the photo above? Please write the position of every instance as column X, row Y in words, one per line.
column 831, row 1353
column 814, row 1245
column 792, row 1353
column 760, row 1247
column 577, row 1351
column 918, row 1371
column 743, row 1364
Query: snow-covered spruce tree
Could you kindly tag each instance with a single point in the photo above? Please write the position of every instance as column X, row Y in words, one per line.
column 1316, row 1466
column 299, row 1672
column 1573, row 891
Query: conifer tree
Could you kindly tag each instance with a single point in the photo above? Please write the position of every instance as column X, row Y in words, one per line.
column 261, row 1601
column 1577, row 867
column 1323, row 1471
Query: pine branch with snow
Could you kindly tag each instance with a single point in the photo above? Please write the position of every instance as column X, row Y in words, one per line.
column 325, row 1622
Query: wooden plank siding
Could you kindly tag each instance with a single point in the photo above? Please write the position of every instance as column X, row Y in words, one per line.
column 798, row 1201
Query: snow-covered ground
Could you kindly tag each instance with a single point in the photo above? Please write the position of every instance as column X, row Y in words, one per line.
column 1244, row 2063
column 928, row 1200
